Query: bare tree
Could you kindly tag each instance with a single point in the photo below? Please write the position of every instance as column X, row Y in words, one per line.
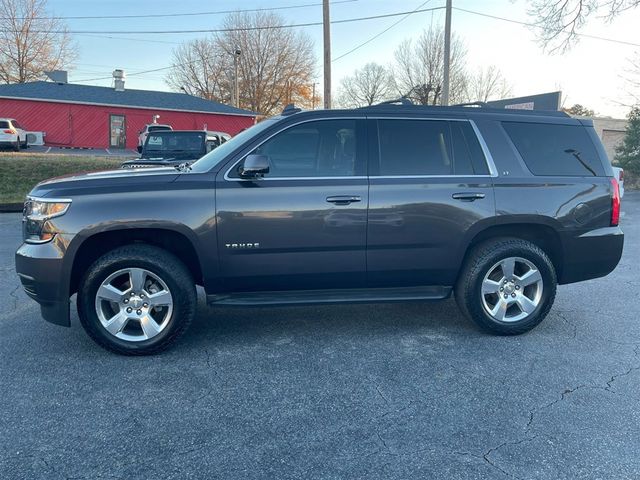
column 31, row 41
column 488, row 84
column 560, row 20
column 371, row 84
column 276, row 65
column 197, row 70
column 419, row 68
column 631, row 77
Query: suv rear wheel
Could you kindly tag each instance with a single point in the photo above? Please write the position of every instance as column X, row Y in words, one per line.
column 136, row 300
column 506, row 286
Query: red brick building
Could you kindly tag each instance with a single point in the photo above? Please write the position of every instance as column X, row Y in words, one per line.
column 74, row 115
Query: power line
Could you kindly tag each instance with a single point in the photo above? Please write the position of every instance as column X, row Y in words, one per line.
column 129, row 39
column 381, row 33
column 189, row 14
column 224, row 30
column 133, row 74
column 517, row 22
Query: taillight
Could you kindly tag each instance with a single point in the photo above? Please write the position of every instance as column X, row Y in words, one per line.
column 615, row 203
column 12, row 132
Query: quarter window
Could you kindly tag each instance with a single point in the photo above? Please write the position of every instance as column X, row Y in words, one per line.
column 314, row 149
column 555, row 150
column 467, row 152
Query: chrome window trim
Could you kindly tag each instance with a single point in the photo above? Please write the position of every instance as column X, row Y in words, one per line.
column 431, row 176
column 493, row 172
column 488, row 158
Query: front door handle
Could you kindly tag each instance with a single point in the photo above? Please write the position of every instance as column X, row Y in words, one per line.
column 467, row 196
column 343, row 199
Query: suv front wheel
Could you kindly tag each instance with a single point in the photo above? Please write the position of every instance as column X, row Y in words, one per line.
column 136, row 300
column 506, row 286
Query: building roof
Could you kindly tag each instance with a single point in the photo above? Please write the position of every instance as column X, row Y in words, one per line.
column 92, row 95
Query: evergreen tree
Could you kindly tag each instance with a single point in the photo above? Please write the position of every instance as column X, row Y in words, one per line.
column 628, row 153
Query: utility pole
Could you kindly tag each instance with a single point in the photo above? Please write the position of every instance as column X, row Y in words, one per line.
column 313, row 97
column 447, row 54
column 326, row 29
column 236, row 89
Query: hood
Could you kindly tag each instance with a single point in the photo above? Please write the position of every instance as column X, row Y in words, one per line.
column 106, row 180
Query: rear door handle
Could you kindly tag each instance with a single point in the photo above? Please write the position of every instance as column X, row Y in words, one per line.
column 467, row 196
column 343, row 199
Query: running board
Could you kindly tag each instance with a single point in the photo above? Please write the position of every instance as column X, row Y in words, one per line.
column 315, row 297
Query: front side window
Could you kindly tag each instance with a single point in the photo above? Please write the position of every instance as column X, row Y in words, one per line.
column 555, row 150
column 325, row 148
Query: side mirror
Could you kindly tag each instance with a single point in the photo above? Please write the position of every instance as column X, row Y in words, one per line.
column 254, row 165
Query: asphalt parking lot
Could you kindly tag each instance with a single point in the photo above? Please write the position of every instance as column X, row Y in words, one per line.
column 367, row 391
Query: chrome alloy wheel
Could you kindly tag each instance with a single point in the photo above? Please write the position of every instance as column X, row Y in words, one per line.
column 512, row 289
column 134, row 304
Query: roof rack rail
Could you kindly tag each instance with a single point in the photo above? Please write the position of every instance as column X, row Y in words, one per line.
column 472, row 104
column 290, row 109
column 397, row 101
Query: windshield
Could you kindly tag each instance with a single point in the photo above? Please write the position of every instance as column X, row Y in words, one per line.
column 156, row 128
column 214, row 157
column 174, row 142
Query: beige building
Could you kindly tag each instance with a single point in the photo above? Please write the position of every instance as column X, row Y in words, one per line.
column 611, row 131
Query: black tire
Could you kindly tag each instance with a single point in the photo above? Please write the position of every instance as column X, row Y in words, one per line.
column 153, row 259
column 139, row 148
column 16, row 147
column 468, row 289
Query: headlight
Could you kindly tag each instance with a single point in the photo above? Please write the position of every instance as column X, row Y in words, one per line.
column 36, row 227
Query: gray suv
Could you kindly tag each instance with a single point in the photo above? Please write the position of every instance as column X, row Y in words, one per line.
column 386, row 203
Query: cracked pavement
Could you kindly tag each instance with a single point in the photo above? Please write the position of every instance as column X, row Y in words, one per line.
column 359, row 391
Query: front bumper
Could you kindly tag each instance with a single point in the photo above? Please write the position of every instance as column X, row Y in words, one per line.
column 593, row 254
column 44, row 277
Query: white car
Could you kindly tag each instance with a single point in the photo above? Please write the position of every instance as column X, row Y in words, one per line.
column 619, row 173
column 12, row 134
column 151, row 127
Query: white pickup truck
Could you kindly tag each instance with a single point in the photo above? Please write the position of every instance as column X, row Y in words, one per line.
column 151, row 127
column 619, row 173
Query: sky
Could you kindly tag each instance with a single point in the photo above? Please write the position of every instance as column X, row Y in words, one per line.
column 592, row 73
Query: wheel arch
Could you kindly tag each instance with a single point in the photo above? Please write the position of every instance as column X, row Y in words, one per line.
column 541, row 231
column 170, row 238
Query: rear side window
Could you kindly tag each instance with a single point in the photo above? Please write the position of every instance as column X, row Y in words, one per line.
column 555, row 150
column 429, row 147
column 414, row 147
column 16, row 124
